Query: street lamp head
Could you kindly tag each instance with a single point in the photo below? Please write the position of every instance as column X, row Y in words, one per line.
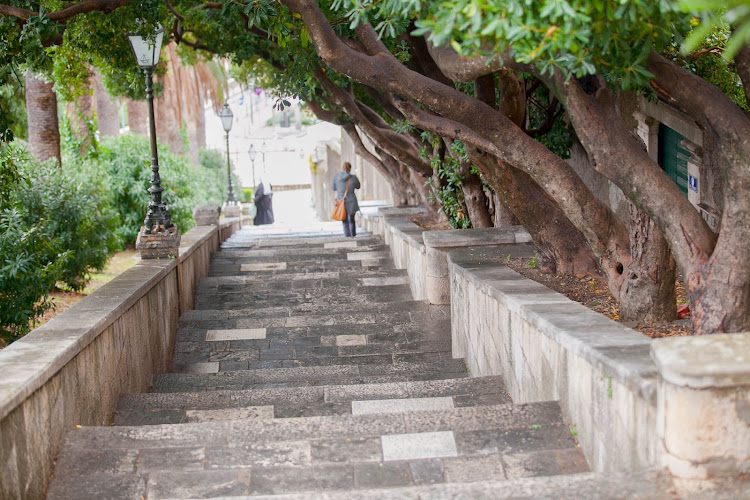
column 226, row 116
column 147, row 49
column 253, row 153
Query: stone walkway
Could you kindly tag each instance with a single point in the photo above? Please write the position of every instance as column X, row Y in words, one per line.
column 306, row 370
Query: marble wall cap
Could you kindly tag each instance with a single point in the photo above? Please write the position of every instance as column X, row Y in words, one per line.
column 705, row 361
column 453, row 238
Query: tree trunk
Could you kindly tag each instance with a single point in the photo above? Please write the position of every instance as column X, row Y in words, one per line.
column 81, row 113
column 138, row 117
column 561, row 248
column 44, row 129
column 647, row 290
column 107, row 113
column 742, row 63
column 501, row 215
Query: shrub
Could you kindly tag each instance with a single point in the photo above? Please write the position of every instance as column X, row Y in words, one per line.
column 124, row 165
column 75, row 214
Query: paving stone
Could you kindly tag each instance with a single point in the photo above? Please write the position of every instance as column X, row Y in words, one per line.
column 285, row 453
column 427, row 471
column 481, row 468
column 98, row 461
column 382, row 475
column 196, row 484
column 271, row 266
column 418, row 446
column 388, row 280
column 97, row 486
column 401, row 405
column 152, row 417
column 345, row 450
column 351, row 340
column 531, row 465
column 250, row 412
column 311, row 479
column 312, row 410
column 236, row 334
column 156, row 459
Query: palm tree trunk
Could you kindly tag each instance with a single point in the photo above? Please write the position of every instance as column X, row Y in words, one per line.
column 107, row 115
column 44, row 129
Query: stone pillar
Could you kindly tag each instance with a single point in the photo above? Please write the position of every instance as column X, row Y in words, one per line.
column 161, row 245
column 703, row 406
column 648, row 131
column 206, row 214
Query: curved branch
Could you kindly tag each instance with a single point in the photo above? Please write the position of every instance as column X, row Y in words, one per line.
column 86, row 6
column 11, row 11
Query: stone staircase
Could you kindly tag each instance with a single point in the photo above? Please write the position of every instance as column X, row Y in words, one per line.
column 306, row 370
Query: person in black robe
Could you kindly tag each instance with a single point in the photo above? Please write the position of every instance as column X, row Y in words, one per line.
column 263, row 204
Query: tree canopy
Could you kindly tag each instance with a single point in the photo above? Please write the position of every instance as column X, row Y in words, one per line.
column 483, row 94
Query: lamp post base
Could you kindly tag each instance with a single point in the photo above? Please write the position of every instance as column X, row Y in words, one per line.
column 160, row 245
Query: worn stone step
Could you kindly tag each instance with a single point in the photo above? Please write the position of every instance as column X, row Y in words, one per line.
column 305, row 253
column 378, row 261
column 156, row 408
column 240, row 240
column 404, row 368
column 338, row 296
column 647, row 484
column 480, row 428
column 356, row 277
column 421, row 313
column 227, row 475
column 253, row 354
column 317, row 453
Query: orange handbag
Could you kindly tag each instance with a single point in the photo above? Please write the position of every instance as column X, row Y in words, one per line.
column 339, row 209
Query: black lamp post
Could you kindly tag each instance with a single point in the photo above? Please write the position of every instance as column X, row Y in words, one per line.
column 146, row 51
column 253, row 153
column 226, row 116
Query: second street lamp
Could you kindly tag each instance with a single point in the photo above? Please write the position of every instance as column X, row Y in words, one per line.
column 226, row 116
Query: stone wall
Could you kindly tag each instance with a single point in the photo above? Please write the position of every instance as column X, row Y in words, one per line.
column 71, row 370
column 548, row 347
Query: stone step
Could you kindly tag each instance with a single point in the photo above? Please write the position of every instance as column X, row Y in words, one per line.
column 340, row 349
column 338, row 296
column 240, row 240
column 408, row 367
column 375, row 260
column 329, row 453
column 413, row 312
column 164, row 408
column 355, row 276
column 647, row 484
column 434, row 330
column 306, row 253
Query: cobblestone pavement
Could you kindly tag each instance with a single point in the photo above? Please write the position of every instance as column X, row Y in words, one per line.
column 306, row 370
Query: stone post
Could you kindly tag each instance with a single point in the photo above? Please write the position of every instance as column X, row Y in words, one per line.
column 206, row 214
column 439, row 243
column 703, row 406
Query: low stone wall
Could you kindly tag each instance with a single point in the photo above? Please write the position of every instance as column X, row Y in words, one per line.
column 439, row 243
column 683, row 403
column 71, row 370
column 548, row 347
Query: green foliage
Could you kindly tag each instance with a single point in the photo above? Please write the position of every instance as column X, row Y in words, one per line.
column 709, row 61
column 449, row 194
column 211, row 176
column 54, row 227
column 718, row 14
column 579, row 37
column 124, row 167
column 75, row 215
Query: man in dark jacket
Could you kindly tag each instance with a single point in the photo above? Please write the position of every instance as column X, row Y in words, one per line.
column 263, row 204
column 339, row 183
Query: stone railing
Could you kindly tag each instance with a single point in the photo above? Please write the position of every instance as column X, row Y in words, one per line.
column 71, row 370
column 683, row 403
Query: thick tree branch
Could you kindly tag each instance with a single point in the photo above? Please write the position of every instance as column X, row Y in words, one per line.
column 742, row 63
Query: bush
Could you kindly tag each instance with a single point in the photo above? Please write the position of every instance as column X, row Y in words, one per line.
column 53, row 227
column 76, row 215
column 124, row 165
column 212, row 177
